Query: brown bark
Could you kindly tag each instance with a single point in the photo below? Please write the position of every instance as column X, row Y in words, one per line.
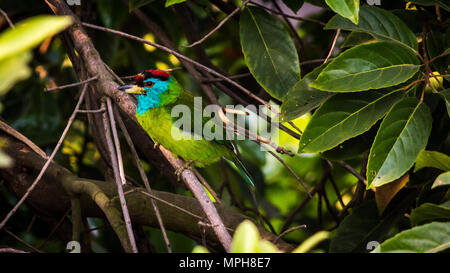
column 51, row 199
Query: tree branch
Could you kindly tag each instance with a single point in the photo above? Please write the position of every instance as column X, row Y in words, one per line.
column 51, row 199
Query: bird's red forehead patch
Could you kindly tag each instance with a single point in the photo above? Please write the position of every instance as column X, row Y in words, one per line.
column 159, row 73
column 139, row 78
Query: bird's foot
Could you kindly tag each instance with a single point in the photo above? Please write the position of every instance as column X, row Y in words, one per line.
column 156, row 145
column 187, row 165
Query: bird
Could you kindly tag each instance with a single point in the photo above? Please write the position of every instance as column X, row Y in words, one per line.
column 157, row 92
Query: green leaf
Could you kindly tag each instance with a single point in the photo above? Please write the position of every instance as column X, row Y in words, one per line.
column 346, row 8
column 302, row 98
column 365, row 224
column 432, row 159
column 294, row 5
column 5, row 160
column 245, row 238
column 442, row 3
column 19, row 65
column 29, row 33
column 351, row 148
column 344, row 116
column 269, row 51
column 265, row 246
column 428, row 238
column 445, row 95
column 356, row 38
column 200, row 249
column 402, row 135
column 354, row 229
column 135, row 4
column 442, row 180
column 428, row 212
column 312, row 241
column 381, row 24
column 173, row 2
column 368, row 66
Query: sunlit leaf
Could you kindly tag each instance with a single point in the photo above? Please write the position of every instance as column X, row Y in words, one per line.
column 368, row 66
column 379, row 23
column 173, row 2
column 200, row 249
column 442, row 3
column 30, row 32
column 245, row 238
column 432, row 159
column 430, row 212
column 402, row 135
column 18, row 64
column 344, row 116
column 312, row 241
column 442, row 180
column 445, row 95
column 428, row 238
column 346, row 8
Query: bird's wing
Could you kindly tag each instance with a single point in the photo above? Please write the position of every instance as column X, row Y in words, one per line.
column 186, row 98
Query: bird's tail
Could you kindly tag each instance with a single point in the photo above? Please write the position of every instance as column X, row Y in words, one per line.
column 242, row 170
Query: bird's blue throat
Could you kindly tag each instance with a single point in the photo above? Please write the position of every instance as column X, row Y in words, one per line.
column 153, row 98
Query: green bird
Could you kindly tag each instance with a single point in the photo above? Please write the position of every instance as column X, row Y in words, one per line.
column 157, row 92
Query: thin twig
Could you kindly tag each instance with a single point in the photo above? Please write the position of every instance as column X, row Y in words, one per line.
column 316, row 189
column 314, row 61
column 49, row 160
column 291, row 27
column 290, row 16
column 219, row 25
column 233, row 77
column 22, row 241
column 333, row 44
column 143, row 177
column 292, row 172
column 101, row 110
column 117, row 176
column 70, row 85
column 445, row 53
column 152, row 196
column 350, row 169
column 11, row 250
column 229, row 125
column 288, row 231
column 5, row 15
column 41, row 245
column 336, row 189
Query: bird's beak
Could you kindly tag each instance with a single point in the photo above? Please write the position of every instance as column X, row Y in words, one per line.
column 133, row 89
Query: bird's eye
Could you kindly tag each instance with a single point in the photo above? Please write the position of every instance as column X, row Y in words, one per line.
column 149, row 84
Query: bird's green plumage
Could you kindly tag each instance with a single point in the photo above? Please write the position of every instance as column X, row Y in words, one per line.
column 154, row 115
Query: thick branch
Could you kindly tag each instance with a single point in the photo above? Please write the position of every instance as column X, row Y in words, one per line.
column 51, row 199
